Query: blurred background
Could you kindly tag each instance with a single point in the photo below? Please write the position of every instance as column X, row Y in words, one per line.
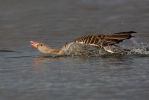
column 57, row 22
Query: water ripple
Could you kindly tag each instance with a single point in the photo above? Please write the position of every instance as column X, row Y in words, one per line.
column 5, row 50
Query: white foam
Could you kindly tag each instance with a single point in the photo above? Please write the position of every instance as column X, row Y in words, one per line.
column 138, row 48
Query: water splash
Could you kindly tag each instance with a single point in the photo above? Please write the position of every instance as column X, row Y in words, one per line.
column 85, row 50
column 137, row 48
column 90, row 51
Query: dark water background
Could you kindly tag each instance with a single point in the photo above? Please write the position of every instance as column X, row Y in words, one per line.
column 27, row 74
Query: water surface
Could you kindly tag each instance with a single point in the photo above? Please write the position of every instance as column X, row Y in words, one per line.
column 25, row 73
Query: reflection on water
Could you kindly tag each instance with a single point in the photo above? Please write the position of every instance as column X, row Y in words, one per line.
column 42, row 59
column 106, row 60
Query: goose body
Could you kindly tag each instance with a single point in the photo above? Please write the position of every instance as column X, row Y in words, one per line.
column 99, row 41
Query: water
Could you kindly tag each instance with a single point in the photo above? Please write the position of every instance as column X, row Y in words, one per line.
column 25, row 73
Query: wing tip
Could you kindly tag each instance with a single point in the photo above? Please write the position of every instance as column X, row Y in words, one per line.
column 131, row 32
column 126, row 32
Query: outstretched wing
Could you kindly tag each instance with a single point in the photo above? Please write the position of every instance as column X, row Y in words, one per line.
column 101, row 40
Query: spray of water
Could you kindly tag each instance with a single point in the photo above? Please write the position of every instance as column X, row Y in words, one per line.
column 88, row 50
column 137, row 48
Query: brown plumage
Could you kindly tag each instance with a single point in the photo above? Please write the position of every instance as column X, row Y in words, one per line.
column 102, row 40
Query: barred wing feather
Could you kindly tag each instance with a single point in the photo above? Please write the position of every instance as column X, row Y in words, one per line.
column 102, row 40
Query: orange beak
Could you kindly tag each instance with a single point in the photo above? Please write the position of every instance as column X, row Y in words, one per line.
column 34, row 44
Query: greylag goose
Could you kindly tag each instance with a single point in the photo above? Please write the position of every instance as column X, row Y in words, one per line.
column 101, row 41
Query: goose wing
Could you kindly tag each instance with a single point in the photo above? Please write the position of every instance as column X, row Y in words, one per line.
column 102, row 40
